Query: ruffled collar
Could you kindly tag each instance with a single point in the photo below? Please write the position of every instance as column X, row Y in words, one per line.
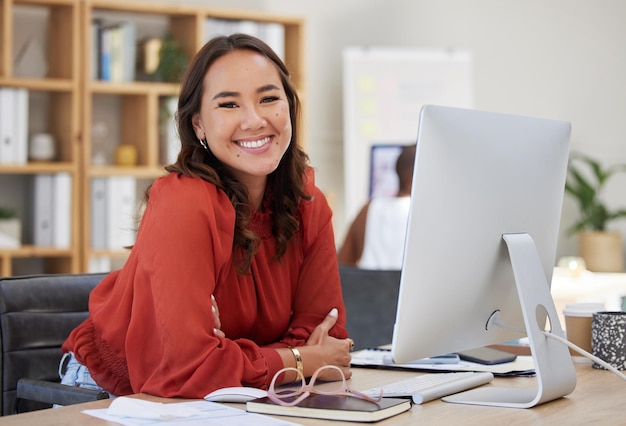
column 261, row 221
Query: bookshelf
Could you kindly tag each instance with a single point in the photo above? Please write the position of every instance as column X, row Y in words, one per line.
column 48, row 71
column 90, row 118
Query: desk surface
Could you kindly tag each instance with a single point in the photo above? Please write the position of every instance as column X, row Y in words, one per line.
column 599, row 397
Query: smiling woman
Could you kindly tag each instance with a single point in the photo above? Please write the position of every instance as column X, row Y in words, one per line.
column 237, row 234
column 244, row 118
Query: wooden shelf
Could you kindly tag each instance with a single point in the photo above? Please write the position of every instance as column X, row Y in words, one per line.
column 37, row 251
column 138, row 172
column 38, row 167
column 57, row 260
column 134, row 88
column 48, row 84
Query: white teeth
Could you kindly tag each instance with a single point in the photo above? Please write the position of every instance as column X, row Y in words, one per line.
column 254, row 144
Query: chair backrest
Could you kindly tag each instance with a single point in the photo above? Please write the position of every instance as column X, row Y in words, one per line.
column 37, row 313
column 371, row 298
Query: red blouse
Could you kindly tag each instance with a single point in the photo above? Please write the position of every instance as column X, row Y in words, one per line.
column 150, row 327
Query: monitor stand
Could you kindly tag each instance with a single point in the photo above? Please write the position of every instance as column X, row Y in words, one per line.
column 556, row 376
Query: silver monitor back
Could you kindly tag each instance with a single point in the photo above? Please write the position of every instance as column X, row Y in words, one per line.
column 481, row 244
column 478, row 175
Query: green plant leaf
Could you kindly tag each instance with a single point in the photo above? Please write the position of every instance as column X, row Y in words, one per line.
column 7, row 213
column 586, row 179
column 172, row 61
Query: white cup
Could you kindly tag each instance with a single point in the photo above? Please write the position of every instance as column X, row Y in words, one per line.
column 42, row 147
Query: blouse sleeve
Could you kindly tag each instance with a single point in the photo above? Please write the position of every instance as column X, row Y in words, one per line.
column 319, row 285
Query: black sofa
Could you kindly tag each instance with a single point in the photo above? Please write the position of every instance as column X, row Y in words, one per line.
column 37, row 313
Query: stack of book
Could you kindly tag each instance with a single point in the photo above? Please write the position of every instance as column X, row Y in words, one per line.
column 13, row 125
column 52, row 210
column 114, row 51
column 113, row 212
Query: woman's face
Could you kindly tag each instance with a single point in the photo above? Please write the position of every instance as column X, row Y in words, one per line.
column 244, row 115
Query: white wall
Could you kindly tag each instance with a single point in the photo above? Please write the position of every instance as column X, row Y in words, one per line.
column 561, row 59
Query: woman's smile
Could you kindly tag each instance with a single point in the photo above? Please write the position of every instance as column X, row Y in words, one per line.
column 253, row 145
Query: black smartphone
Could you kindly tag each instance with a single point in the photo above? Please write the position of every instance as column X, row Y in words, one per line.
column 487, row 356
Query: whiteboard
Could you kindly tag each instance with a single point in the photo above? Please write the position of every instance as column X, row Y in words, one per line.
column 384, row 90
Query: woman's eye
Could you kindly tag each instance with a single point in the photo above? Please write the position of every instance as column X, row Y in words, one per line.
column 227, row 105
column 269, row 99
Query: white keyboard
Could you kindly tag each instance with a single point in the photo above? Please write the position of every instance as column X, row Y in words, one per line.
column 427, row 387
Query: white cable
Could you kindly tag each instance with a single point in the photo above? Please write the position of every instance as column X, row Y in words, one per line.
column 498, row 323
column 585, row 353
column 566, row 342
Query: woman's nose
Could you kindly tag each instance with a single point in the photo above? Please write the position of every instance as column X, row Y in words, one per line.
column 252, row 119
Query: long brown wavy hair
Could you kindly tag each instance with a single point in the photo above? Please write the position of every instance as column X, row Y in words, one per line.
column 286, row 184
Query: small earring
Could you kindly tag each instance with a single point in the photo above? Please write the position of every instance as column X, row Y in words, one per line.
column 204, row 144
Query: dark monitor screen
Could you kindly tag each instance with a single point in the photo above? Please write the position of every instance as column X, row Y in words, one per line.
column 383, row 176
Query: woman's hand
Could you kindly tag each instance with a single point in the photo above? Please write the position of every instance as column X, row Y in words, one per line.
column 322, row 349
column 216, row 318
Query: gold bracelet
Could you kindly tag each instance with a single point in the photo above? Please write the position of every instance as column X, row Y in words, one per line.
column 298, row 357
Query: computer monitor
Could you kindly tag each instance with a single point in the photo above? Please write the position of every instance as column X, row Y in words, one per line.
column 383, row 176
column 481, row 244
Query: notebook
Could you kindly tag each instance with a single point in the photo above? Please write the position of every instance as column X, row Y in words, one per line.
column 334, row 407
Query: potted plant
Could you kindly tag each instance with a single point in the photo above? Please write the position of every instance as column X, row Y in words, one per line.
column 10, row 228
column 600, row 247
column 172, row 61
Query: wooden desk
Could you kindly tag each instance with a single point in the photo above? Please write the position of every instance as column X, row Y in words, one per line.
column 599, row 397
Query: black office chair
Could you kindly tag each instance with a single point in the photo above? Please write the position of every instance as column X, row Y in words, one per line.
column 371, row 299
column 37, row 313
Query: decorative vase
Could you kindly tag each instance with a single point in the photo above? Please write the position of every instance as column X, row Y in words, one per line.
column 42, row 147
column 10, row 233
column 602, row 250
column 126, row 155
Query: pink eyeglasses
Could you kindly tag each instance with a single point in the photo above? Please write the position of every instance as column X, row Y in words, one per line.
column 340, row 388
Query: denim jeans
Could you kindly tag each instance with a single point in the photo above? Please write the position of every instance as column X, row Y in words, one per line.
column 72, row 373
